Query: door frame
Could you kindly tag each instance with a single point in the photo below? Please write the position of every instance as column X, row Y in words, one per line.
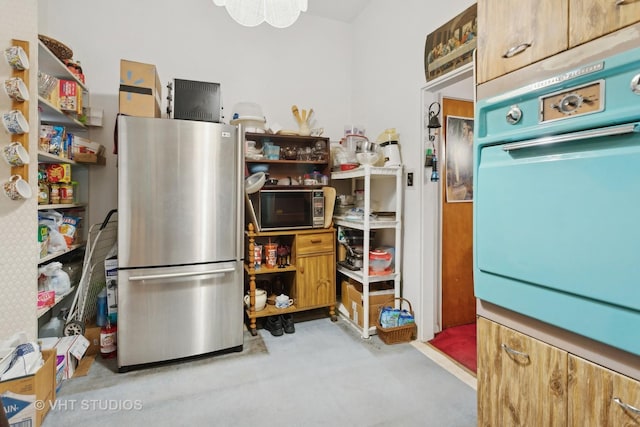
column 429, row 317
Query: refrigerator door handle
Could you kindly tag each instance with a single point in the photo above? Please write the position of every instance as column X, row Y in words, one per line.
column 172, row 275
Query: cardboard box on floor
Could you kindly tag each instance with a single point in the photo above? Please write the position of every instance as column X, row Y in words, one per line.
column 19, row 395
column 380, row 294
column 140, row 89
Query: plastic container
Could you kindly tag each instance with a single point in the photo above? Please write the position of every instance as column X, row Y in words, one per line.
column 101, row 316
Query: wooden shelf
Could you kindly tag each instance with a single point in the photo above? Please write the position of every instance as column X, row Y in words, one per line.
column 265, row 270
column 271, row 310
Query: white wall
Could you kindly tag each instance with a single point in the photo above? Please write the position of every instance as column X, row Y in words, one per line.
column 388, row 69
column 18, row 221
column 308, row 64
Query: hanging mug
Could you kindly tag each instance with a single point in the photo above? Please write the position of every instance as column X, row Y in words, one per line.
column 16, row 188
column 14, row 122
column 17, row 57
column 16, row 89
column 15, row 154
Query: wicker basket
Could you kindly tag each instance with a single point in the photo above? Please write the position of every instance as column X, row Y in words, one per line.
column 59, row 49
column 404, row 333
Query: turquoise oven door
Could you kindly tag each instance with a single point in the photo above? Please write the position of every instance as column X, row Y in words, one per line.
column 557, row 231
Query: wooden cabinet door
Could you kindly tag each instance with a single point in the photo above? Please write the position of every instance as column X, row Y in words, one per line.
column 315, row 281
column 590, row 19
column 521, row 381
column 503, row 25
column 597, row 396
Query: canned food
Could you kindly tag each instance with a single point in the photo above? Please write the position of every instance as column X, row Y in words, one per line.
column 66, row 193
column 54, row 193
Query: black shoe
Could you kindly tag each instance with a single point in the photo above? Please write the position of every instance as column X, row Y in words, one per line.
column 287, row 321
column 274, row 325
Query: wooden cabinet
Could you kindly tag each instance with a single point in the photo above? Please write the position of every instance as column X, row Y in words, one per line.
column 308, row 277
column 590, row 19
column 523, row 381
column 299, row 156
column 513, row 35
column 599, row 397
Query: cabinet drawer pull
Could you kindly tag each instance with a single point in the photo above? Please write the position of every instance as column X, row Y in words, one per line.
column 626, row 406
column 514, row 352
column 513, row 51
column 316, row 240
column 620, row 2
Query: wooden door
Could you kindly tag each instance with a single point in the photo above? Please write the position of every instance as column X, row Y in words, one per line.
column 458, row 301
column 521, row 381
column 592, row 390
column 590, row 19
column 503, row 25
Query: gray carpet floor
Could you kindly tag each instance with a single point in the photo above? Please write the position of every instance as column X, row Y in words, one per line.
column 323, row 374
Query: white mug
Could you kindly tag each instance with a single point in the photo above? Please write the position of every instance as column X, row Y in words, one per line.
column 283, row 301
column 261, row 300
column 14, row 122
column 16, row 89
column 17, row 57
column 16, row 188
column 15, row 154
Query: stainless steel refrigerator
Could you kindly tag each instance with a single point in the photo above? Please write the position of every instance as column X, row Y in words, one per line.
column 180, row 239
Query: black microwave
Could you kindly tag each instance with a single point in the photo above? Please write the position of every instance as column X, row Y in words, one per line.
column 287, row 209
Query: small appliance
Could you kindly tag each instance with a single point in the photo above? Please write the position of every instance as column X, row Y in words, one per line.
column 287, row 209
column 194, row 100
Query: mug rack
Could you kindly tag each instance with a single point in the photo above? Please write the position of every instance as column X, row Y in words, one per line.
column 23, row 107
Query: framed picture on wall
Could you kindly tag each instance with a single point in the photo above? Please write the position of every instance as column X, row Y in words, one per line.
column 459, row 159
column 451, row 46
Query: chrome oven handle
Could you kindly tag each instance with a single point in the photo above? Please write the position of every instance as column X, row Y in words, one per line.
column 587, row 134
column 626, row 406
column 173, row 275
column 513, row 51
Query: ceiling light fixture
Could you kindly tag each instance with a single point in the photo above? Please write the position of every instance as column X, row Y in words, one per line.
column 278, row 13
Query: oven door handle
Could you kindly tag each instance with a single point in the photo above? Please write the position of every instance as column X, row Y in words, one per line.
column 587, row 134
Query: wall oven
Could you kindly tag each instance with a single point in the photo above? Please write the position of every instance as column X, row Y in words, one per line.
column 557, row 200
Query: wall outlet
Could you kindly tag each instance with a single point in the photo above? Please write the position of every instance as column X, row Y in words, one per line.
column 410, row 177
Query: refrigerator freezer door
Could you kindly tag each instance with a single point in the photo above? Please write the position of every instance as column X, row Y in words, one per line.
column 175, row 312
column 178, row 190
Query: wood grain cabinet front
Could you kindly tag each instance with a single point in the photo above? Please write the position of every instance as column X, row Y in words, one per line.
column 521, row 381
column 600, row 397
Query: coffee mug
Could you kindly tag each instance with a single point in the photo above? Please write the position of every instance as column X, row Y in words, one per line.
column 15, row 154
column 283, row 301
column 16, row 89
column 14, row 122
column 261, row 300
column 17, row 57
column 17, row 188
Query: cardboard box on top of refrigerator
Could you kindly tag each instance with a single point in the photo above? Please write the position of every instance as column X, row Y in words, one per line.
column 19, row 395
column 140, row 89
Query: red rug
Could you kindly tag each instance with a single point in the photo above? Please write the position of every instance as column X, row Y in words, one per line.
column 459, row 343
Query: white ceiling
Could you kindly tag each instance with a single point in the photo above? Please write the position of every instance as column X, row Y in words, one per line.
column 339, row 10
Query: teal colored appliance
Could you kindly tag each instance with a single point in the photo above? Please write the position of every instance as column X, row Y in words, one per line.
column 557, row 200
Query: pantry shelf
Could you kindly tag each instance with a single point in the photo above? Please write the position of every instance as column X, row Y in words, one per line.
column 42, row 311
column 60, row 253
